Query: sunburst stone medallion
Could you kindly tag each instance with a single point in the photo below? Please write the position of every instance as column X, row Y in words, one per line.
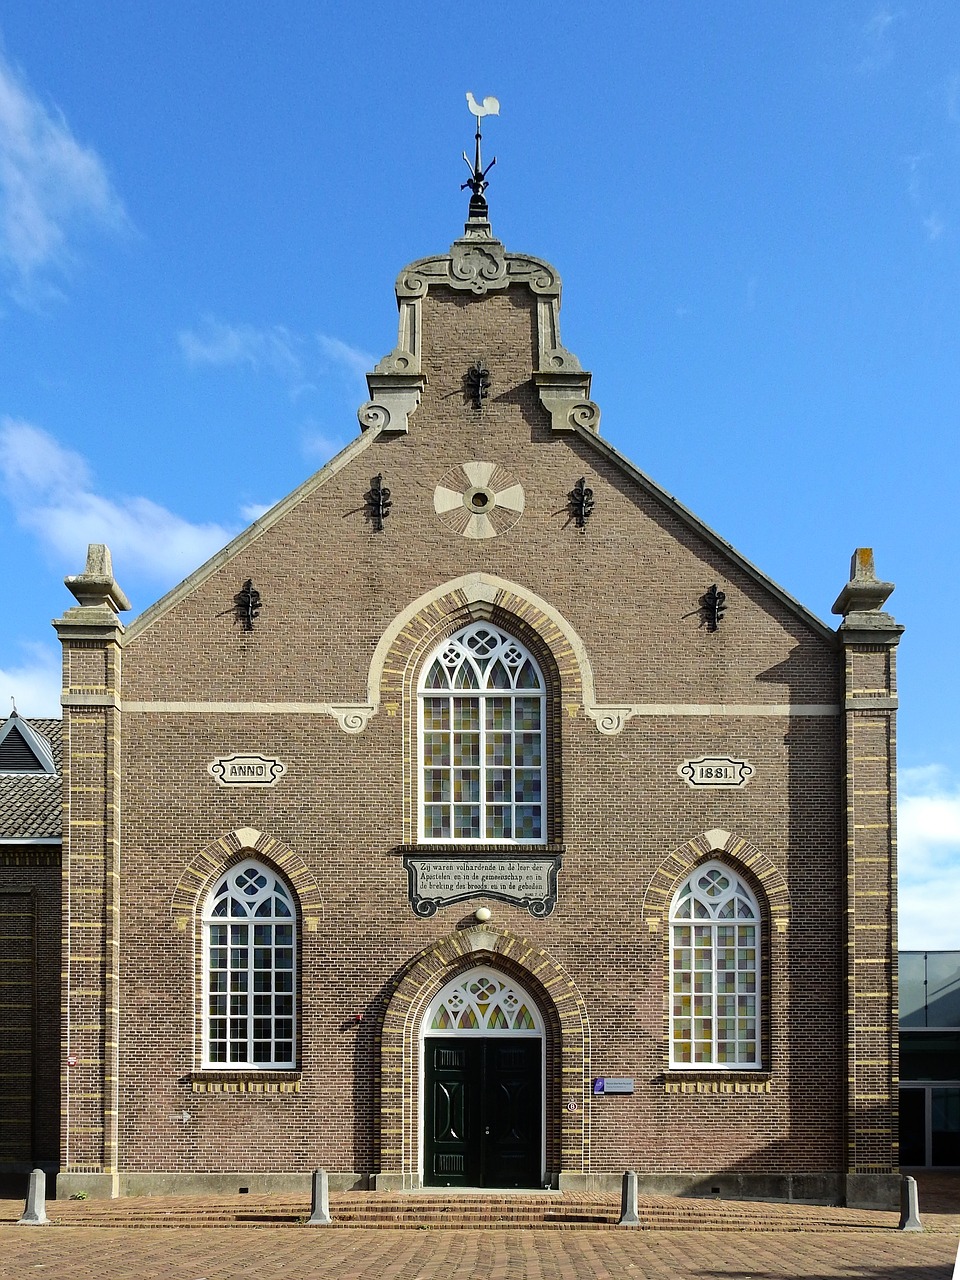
column 479, row 499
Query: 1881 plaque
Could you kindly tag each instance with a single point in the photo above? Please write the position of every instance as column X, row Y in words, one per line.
column 527, row 882
column 716, row 771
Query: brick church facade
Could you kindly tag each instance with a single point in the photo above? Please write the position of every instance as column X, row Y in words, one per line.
column 478, row 817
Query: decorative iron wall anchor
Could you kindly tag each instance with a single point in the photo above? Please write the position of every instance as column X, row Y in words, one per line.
column 713, row 607
column 581, row 502
column 378, row 501
column 246, row 605
column 478, row 380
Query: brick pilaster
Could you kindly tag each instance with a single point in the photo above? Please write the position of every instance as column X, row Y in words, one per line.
column 90, row 634
column 870, row 637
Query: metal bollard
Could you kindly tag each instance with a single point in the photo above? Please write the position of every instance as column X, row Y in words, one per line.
column 320, row 1202
column 909, row 1205
column 628, row 1202
column 35, row 1211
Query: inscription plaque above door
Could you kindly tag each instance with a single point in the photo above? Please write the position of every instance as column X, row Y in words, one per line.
column 526, row 882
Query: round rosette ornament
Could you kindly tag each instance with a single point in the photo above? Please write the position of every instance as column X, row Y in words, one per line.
column 479, row 500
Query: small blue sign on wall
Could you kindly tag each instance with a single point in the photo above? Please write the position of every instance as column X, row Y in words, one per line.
column 613, row 1084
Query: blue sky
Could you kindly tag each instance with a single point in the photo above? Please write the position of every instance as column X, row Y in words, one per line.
column 755, row 209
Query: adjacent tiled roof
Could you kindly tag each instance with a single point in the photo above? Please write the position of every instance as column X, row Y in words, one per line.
column 30, row 802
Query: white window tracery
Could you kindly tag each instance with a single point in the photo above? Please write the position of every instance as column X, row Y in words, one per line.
column 250, row 940
column 482, row 740
column 483, row 1002
column 715, row 971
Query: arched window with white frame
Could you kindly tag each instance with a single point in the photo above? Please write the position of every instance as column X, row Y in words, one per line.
column 250, row 974
column 715, row 927
column 482, row 740
column 483, row 1002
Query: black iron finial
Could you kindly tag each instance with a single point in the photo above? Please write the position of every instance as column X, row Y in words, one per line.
column 246, row 605
column 478, row 380
column 581, row 502
column 713, row 606
column 378, row 501
column 477, row 182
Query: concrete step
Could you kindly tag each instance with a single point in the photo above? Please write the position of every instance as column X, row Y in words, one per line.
column 433, row 1211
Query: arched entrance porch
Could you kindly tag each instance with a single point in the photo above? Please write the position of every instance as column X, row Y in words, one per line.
column 565, row 1055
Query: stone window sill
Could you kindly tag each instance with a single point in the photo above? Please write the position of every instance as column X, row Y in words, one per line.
column 244, row 1081
column 715, row 1080
column 479, row 849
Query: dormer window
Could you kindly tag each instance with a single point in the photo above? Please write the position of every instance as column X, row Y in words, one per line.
column 22, row 749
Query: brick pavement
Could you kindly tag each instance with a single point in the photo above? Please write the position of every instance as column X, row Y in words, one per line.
column 111, row 1253
column 824, row 1244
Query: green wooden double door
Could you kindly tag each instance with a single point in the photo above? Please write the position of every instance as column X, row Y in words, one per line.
column 484, row 1114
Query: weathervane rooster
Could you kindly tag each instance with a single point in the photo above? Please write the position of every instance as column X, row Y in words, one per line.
column 477, row 182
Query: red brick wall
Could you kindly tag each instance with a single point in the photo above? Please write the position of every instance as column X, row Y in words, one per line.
column 629, row 585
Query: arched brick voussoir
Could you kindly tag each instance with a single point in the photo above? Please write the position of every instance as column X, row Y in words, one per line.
column 565, row 1016
column 426, row 973
column 460, row 601
column 734, row 849
column 233, row 847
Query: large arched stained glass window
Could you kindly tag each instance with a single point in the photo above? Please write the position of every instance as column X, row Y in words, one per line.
column 715, row 971
column 250, row 940
column 482, row 753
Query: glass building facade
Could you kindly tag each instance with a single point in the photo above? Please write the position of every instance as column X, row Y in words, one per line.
column 930, row 1059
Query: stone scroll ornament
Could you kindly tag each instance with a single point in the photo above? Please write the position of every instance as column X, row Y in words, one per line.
column 435, row 882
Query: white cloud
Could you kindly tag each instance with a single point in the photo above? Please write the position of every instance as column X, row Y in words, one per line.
column 254, row 510
column 34, row 683
column 51, row 186
column 923, row 780
column 52, row 494
column 319, row 445
column 340, row 354
column 916, row 167
column 877, row 45
column 879, row 23
column 953, row 97
column 921, row 184
column 929, row 842
column 275, row 350
column 295, row 359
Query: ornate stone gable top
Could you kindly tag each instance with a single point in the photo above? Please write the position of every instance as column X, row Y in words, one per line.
column 397, row 381
column 478, row 263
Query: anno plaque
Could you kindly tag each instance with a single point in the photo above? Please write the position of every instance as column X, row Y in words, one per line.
column 716, row 771
column 527, row 882
column 247, row 771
